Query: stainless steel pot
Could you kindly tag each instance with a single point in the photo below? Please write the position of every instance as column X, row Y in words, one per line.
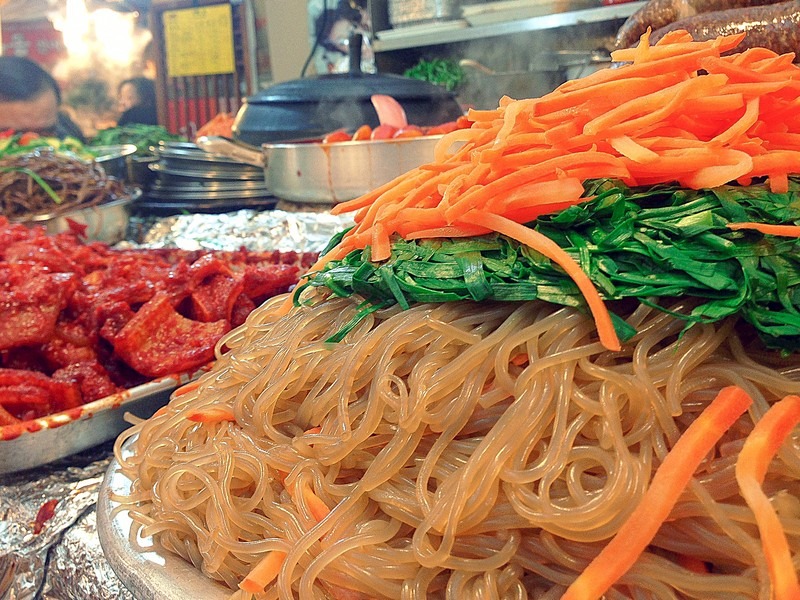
column 313, row 172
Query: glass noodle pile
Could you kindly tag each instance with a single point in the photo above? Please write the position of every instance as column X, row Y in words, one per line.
column 585, row 446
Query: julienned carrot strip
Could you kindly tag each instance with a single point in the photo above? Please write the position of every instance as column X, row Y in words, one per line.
column 779, row 183
column 186, row 388
column 766, row 228
column 263, row 573
column 632, row 149
column 653, row 108
column 693, row 564
column 318, row 509
column 741, row 126
column 211, row 414
column 752, row 463
column 547, row 247
column 669, row 481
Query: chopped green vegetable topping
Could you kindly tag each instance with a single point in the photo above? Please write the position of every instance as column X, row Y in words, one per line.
column 643, row 243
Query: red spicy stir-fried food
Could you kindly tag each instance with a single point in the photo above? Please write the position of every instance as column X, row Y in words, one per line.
column 80, row 321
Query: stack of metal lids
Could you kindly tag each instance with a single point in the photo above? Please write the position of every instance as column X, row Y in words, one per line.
column 189, row 179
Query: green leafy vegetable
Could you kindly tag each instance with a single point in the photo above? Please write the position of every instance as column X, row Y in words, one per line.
column 643, row 243
column 142, row 136
column 442, row 71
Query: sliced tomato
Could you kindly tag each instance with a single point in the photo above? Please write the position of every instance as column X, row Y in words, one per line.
column 362, row 133
column 27, row 137
column 340, row 135
column 383, row 132
column 410, row 131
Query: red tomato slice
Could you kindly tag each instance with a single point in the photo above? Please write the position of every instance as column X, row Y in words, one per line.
column 410, row 131
column 362, row 133
column 383, row 132
column 340, row 135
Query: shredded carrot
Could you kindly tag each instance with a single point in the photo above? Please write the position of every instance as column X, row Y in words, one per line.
column 684, row 111
column 693, row 564
column 211, row 414
column 781, row 230
column 547, row 247
column 186, row 388
column 669, row 481
column 264, row 572
column 752, row 463
column 318, row 509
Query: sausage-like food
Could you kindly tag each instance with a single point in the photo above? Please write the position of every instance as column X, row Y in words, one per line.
column 661, row 13
column 776, row 26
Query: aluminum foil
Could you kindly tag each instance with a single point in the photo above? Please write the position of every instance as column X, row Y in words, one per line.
column 253, row 230
column 64, row 560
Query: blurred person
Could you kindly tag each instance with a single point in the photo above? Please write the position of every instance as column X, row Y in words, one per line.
column 136, row 100
column 30, row 100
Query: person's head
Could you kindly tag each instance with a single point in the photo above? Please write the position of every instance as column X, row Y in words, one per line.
column 29, row 96
column 137, row 91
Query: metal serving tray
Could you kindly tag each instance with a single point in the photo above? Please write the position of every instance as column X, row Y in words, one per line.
column 152, row 573
column 39, row 441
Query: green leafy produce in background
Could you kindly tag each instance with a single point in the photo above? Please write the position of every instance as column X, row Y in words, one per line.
column 20, row 143
column 441, row 71
column 142, row 136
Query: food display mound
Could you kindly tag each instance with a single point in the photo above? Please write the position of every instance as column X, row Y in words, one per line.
column 559, row 361
column 82, row 321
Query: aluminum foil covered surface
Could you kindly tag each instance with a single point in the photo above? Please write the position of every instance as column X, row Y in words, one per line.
column 49, row 547
column 253, row 230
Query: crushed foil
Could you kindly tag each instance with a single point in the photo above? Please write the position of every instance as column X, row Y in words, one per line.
column 65, row 561
column 253, row 230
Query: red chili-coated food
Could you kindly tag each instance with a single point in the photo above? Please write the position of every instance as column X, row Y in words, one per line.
column 81, row 321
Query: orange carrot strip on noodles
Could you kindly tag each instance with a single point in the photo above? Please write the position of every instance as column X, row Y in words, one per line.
column 264, row 573
column 211, row 414
column 693, row 564
column 752, row 463
column 766, row 228
column 669, row 481
column 547, row 247
column 318, row 509
column 186, row 388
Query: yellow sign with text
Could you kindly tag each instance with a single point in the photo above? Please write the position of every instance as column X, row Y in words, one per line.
column 199, row 41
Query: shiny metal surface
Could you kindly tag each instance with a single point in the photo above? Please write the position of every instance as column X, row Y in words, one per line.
column 106, row 222
column 40, row 441
column 449, row 35
column 151, row 573
column 317, row 173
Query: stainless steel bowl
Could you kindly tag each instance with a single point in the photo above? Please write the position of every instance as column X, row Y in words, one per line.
column 105, row 222
column 114, row 159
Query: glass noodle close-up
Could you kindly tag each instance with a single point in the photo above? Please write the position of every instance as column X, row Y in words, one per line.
column 559, row 361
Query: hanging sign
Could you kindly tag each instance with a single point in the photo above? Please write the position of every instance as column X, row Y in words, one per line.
column 199, row 41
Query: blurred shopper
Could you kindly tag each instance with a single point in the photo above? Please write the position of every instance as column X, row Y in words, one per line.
column 30, row 100
column 136, row 100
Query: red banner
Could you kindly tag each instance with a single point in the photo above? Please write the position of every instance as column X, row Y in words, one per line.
column 37, row 40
